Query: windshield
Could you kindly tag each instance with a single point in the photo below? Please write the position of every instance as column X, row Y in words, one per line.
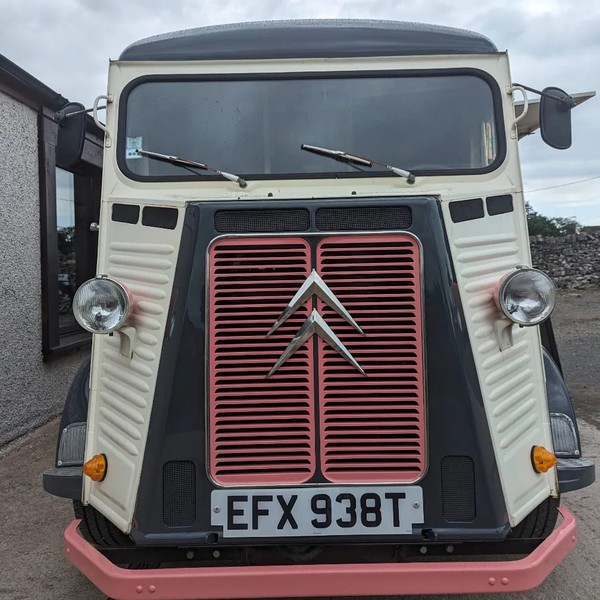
column 255, row 127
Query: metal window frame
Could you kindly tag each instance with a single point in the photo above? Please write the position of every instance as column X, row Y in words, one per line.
column 87, row 181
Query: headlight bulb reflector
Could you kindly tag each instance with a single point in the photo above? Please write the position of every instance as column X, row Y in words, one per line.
column 526, row 296
column 101, row 305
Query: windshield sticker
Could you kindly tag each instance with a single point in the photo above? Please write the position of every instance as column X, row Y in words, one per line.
column 132, row 144
column 489, row 142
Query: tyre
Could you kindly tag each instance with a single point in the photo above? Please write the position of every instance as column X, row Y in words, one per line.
column 97, row 529
column 540, row 522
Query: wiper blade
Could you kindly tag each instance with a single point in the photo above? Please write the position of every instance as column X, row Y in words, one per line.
column 185, row 162
column 358, row 160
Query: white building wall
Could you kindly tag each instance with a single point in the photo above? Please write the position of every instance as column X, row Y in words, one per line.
column 31, row 391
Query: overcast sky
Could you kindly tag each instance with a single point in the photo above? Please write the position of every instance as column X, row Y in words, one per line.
column 67, row 45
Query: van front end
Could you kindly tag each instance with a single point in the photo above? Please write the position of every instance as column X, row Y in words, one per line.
column 313, row 373
column 319, row 469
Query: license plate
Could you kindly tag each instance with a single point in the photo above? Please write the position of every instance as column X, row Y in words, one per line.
column 304, row 512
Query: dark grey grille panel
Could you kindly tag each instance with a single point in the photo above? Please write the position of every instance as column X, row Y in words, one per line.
column 458, row 489
column 179, row 493
column 262, row 220
column 364, row 218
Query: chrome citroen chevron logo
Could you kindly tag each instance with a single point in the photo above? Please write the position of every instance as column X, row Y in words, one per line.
column 315, row 286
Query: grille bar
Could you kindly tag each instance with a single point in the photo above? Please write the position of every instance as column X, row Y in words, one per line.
column 260, row 431
column 372, row 428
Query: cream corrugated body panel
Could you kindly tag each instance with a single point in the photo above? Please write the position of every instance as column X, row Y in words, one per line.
column 512, row 380
column 122, row 388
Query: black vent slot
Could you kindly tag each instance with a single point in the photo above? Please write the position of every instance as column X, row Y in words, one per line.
column 499, row 205
column 458, row 489
column 126, row 213
column 466, row 210
column 364, row 218
column 163, row 218
column 262, row 220
column 179, row 493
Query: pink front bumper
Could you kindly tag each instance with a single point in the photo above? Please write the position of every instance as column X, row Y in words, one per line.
column 387, row 579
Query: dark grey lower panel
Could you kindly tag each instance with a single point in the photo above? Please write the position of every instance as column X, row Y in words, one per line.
column 575, row 473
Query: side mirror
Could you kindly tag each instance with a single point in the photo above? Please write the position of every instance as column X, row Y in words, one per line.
column 555, row 117
column 71, row 134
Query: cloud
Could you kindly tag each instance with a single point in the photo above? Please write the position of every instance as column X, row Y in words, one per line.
column 67, row 45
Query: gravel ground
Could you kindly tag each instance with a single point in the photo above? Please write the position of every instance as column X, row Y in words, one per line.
column 577, row 328
column 32, row 522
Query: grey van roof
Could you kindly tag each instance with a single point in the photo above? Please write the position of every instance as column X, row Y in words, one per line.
column 326, row 38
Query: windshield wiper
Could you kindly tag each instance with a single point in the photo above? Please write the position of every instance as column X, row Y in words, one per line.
column 358, row 160
column 184, row 162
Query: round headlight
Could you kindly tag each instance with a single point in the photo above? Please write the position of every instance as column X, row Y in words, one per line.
column 101, row 305
column 526, row 296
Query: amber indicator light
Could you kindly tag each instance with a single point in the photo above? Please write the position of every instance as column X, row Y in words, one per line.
column 543, row 460
column 96, row 467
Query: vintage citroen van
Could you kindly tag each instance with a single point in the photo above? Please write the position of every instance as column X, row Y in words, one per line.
column 322, row 364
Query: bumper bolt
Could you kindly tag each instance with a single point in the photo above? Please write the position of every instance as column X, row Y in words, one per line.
column 217, row 509
column 416, row 504
column 216, row 554
column 423, row 549
column 449, row 548
column 190, row 554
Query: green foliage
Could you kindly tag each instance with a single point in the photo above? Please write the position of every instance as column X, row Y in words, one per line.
column 566, row 225
column 540, row 225
column 66, row 239
column 550, row 227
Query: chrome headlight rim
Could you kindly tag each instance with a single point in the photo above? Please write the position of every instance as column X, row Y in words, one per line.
column 124, row 296
column 501, row 289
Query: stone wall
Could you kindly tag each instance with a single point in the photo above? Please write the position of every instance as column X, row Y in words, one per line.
column 573, row 261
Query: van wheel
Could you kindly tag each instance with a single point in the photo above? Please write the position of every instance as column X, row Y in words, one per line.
column 97, row 529
column 540, row 522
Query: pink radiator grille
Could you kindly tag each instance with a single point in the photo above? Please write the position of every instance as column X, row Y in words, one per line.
column 372, row 427
column 261, row 431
